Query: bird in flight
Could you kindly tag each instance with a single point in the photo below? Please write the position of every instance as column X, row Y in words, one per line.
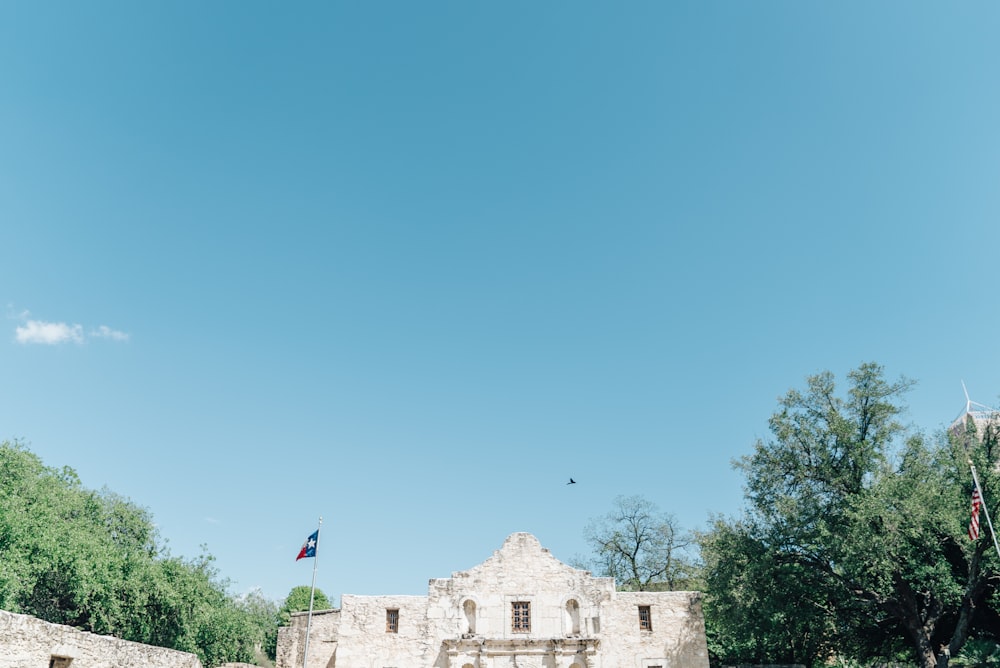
column 571, row 482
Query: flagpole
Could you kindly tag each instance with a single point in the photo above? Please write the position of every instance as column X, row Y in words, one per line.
column 312, row 591
column 986, row 510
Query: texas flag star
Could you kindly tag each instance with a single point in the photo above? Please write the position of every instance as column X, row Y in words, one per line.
column 309, row 547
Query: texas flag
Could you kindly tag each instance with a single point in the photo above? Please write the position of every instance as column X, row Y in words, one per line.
column 309, row 547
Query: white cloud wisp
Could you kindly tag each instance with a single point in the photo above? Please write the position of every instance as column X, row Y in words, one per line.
column 55, row 333
column 49, row 333
column 105, row 332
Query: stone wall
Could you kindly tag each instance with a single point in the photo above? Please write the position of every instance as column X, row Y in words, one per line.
column 677, row 637
column 567, row 618
column 323, row 636
column 29, row 642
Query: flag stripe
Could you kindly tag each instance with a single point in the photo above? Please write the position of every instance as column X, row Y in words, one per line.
column 977, row 503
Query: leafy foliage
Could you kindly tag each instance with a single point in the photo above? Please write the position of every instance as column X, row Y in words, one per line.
column 854, row 538
column 979, row 654
column 770, row 612
column 86, row 559
column 298, row 601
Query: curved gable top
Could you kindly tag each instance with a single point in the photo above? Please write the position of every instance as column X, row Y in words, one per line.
column 521, row 562
column 519, row 549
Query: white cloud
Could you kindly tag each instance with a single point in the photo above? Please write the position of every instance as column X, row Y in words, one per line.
column 49, row 333
column 54, row 333
column 105, row 332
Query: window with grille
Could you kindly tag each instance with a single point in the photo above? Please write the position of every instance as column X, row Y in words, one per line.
column 392, row 620
column 645, row 618
column 520, row 618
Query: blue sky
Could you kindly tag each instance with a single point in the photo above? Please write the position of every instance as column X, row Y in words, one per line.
column 410, row 266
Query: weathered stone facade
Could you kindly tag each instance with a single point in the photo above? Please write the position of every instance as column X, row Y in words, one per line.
column 29, row 642
column 520, row 608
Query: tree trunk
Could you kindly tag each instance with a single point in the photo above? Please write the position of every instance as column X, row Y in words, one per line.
column 975, row 592
column 926, row 652
column 921, row 637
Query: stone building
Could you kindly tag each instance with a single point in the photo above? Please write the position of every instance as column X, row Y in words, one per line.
column 520, row 608
column 30, row 642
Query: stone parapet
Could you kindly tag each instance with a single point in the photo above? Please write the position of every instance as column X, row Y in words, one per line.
column 27, row 641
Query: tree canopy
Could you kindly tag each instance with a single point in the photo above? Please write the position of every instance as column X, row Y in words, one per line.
column 298, row 601
column 854, row 541
column 91, row 560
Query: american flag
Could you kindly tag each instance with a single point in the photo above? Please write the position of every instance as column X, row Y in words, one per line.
column 977, row 503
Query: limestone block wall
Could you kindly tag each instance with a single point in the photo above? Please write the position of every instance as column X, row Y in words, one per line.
column 323, row 637
column 365, row 639
column 677, row 638
column 30, row 642
column 563, row 600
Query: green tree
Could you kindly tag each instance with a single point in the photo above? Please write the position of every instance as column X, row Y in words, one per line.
column 854, row 534
column 642, row 548
column 298, row 601
column 90, row 559
column 263, row 615
column 770, row 610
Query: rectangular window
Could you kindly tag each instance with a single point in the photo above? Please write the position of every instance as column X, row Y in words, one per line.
column 520, row 617
column 645, row 619
column 60, row 662
column 392, row 620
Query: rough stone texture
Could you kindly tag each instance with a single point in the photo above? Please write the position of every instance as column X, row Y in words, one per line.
column 577, row 621
column 322, row 639
column 29, row 642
